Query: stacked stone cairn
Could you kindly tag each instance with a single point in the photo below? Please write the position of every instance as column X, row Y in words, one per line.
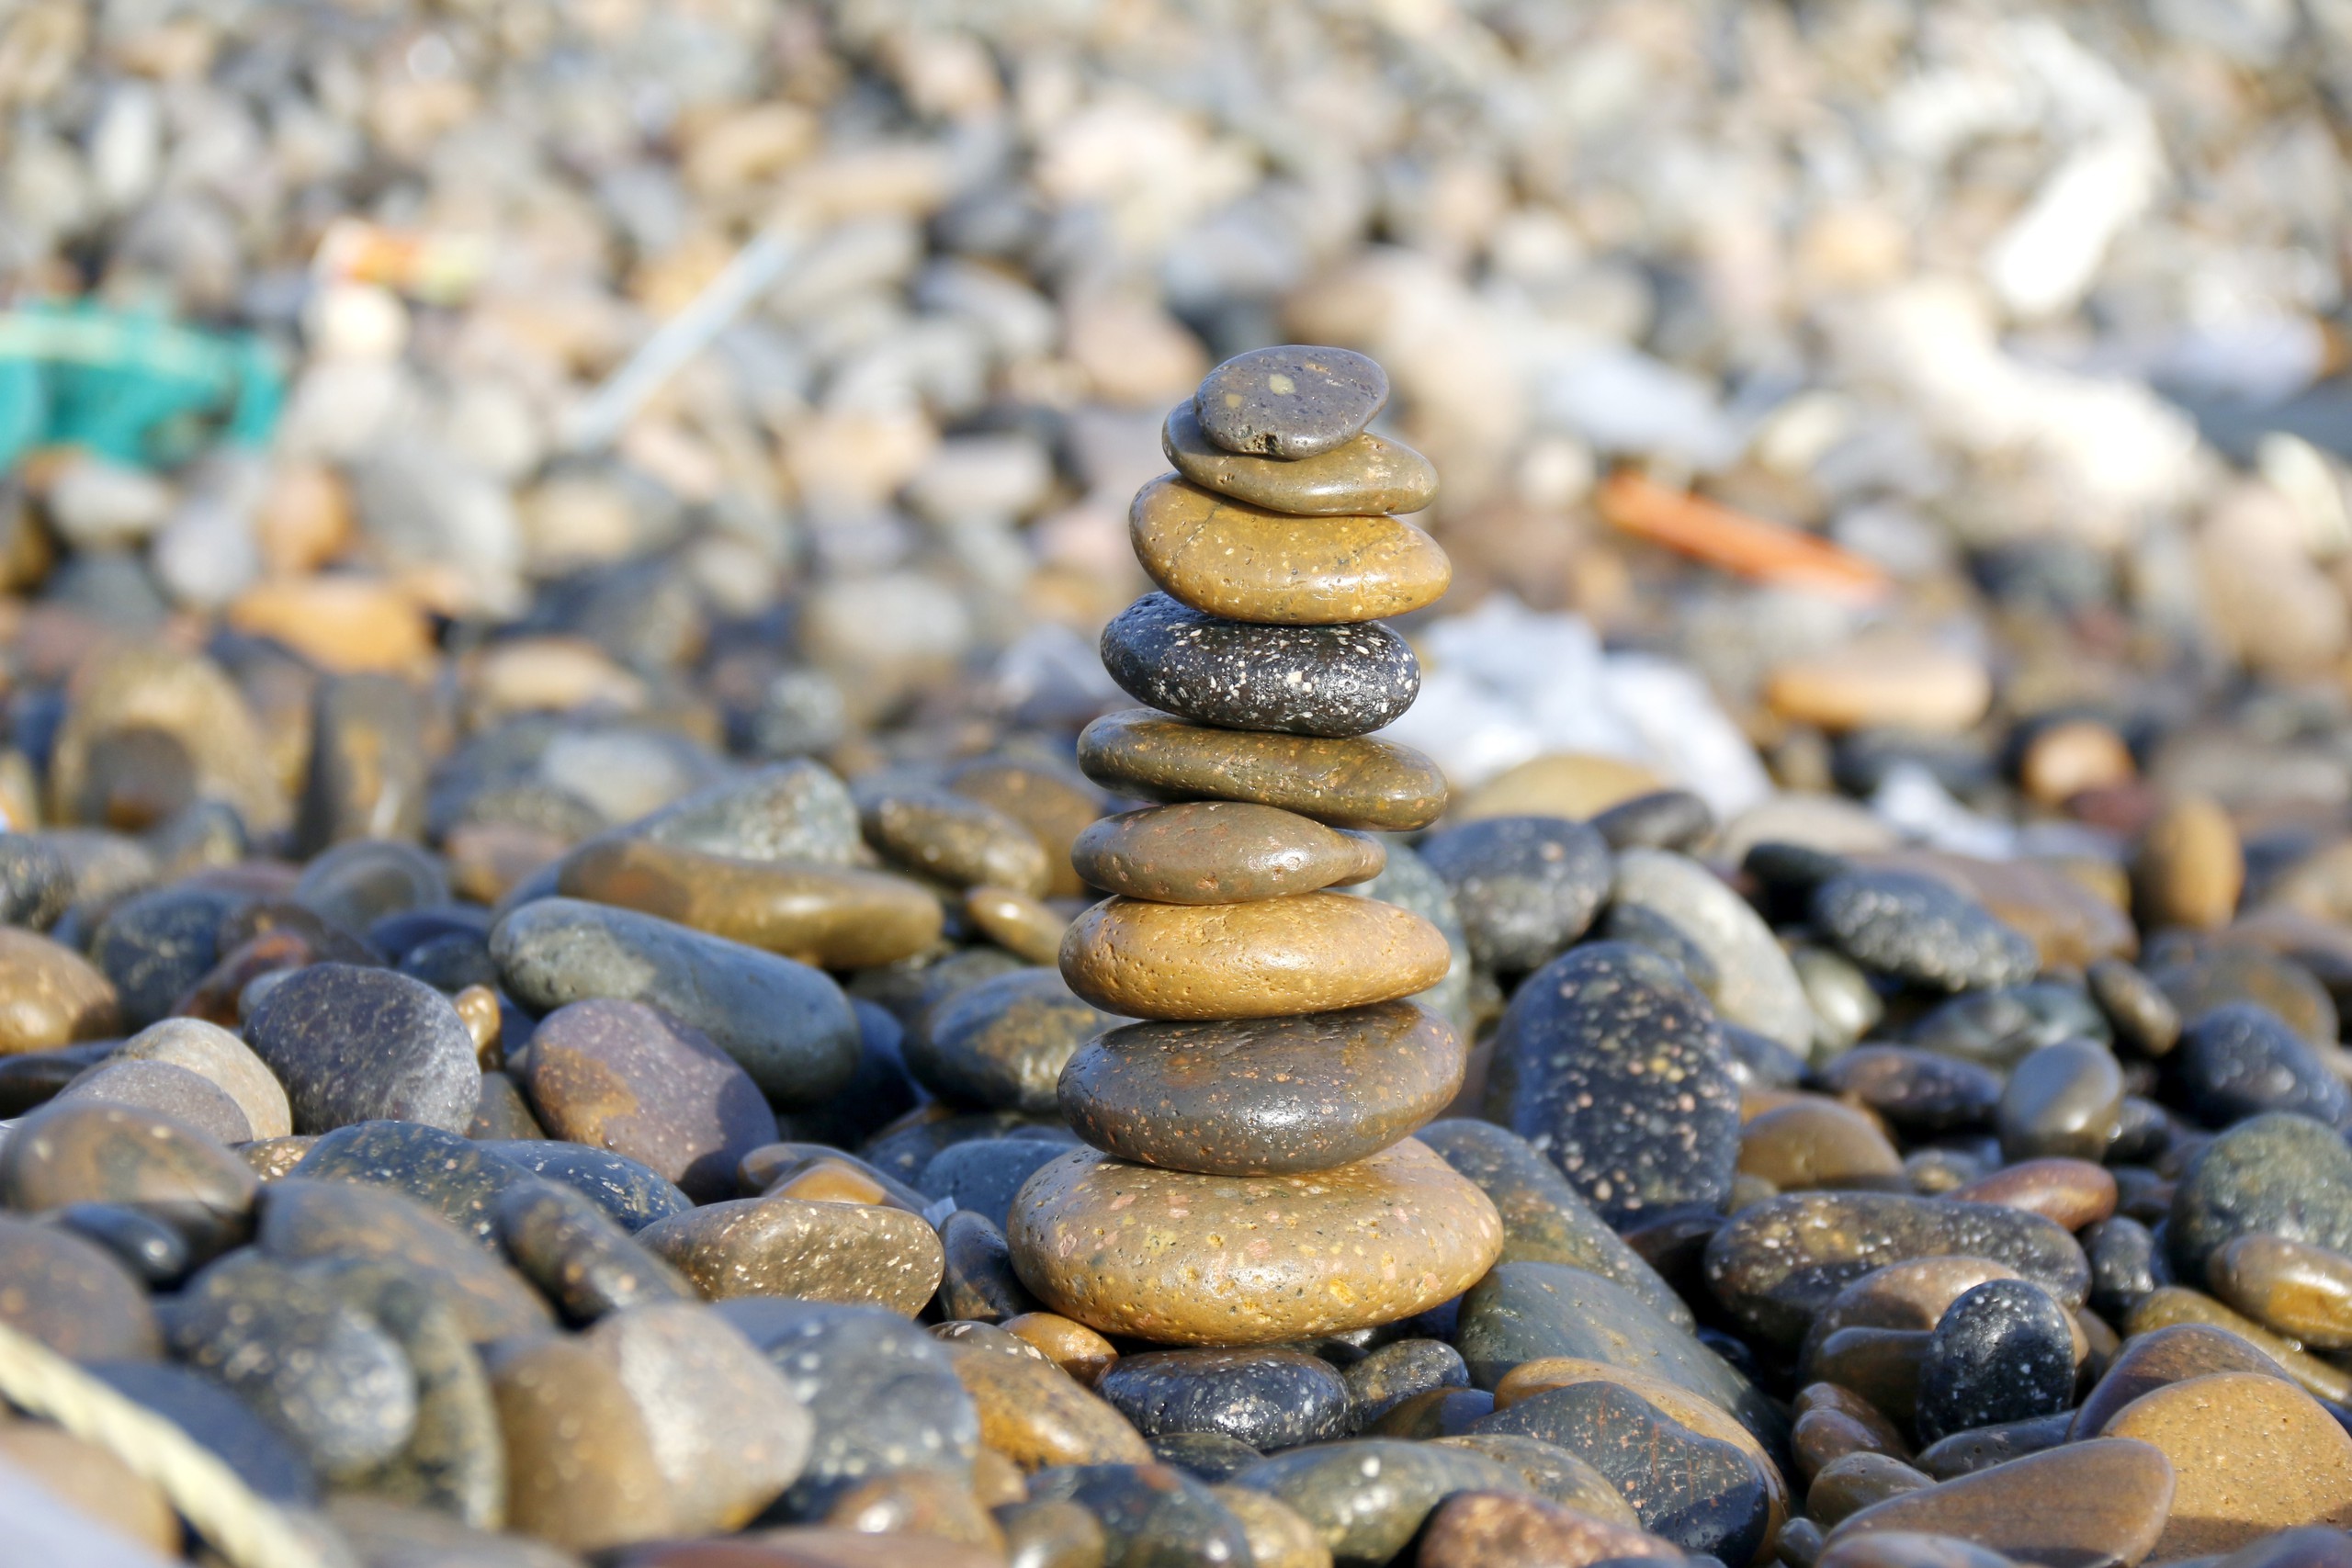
column 1252, row 1179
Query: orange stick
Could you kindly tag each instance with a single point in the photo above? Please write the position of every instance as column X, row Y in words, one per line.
column 1706, row 531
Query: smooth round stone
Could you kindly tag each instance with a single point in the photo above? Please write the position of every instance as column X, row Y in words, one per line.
column 1965, row 1453
column 1823, row 1435
column 1919, row 930
column 1368, row 1496
column 1056, row 1534
column 151, row 1249
column 2170, row 1306
column 634, row 1194
column 1919, row 1091
column 213, row 1053
column 790, row 811
column 1845, row 1004
column 2062, row 1101
column 1268, row 1398
column 1279, row 1537
column 833, row 916
column 2198, row 984
column 931, row 1509
column 582, row 1467
column 1847, row 1485
column 2252, row 1454
column 1052, row 802
column 1327, row 681
column 1398, row 1371
column 1756, row 987
column 1662, row 819
column 1003, row 1043
column 1353, row 782
column 2190, row 867
column 787, row 1024
column 2276, row 1173
column 54, row 995
column 154, row 946
column 2071, row 1192
column 1183, row 1259
column 452, row 1176
column 1226, row 558
column 1220, row 852
column 2301, row 1291
column 786, row 1246
column 1555, row 1474
column 302, row 1220
column 1370, row 474
column 1544, row 1219
column 1032, row 1412
column 979, row 1283
column 1306, row 952
column 883, row 1393
column 1027, row 927
column 1409, row 883
column 1608, row 1062
column 984, row 1174
column 2161, row 1357
column 167, row 1090
column 1076, row 1348
column 2085, row 1503
column 1778, row 1261
column 2238, row 1060
column 73, row 1295
column 94, row 1152
column 2004, row 1351
column 1476, row 1530
column 1526, row 886
column 567, row 1246
column 2126, row 1265
column 1998, row 1029
column 1149, row 1514
column 959, row 841
column 355, row 1045
column 1812, row 1143
column 359, row 882
column 621, row 1075
column 1266, row 1097
column 2140, row 1012
column 1291, row 401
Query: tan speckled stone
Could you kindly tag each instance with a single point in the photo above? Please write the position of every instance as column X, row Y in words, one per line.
column 1221, row 852
column 1369, row 474
column 1249, row 1260
column 1306, row 953
column 816, row 1251
column 1037, row 1414
column 1227, row 558
column 50, row 995
column 2253, row 1454
column 1023, row 925
column 1355, row 782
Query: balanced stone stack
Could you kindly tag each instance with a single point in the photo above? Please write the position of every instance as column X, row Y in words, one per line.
column 1256, row 1180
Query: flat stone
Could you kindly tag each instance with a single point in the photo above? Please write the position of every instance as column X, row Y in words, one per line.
column 2070, row 924
column 1293, row 401
column 1329, row 680
column 1999, row 1028
column 354, row 1044
column 2276, row 1173
column 1150, row 1514
column 1965, row 1453
column 1811, row 1142
column 794, row 811
column 2233, row 972
column 1474, row 1529
column 2143, row 1016
column 1346, row 783
column 1257, row 1097
column 634, row 1194
column 787, row 1024
column 1919, row 930
column 565, row 1243
column 1849, row 1485
column 1916, row 685
column 1556, row 1476
column 93, row 1152
column 1220, row 852
column 1003, row 1043
column 213, row 1053
column 1035, row 1414
column 1269, row 1398
column 1779, row 1261
column 2094, row 1505
column 2253, row 1455
column 832, row 917
column 1368, row 1496
column 54, row 995
column 2299, row 1290
column 1756, row 986
column 956, row 838
column 303, row 1220
column 454, row 1177
column 1051, row 801
column 2004, row 1351
column 2065, row 1099
column 1024, row 925
column 2072, row 1193
column 2239, row 1060
column 1608, row 1062
column 1526, row 886
column 1370, row 474
column 583, row 1470
column 1306, row 952
column 830, row 1252
column 1183, row 1259
column 1223, row 557
column 73, row 1296
column 2163, row 1356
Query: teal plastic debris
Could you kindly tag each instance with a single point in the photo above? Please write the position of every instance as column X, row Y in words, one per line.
column 133, row 386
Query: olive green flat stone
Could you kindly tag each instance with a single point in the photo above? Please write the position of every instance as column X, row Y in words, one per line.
column 1227, row 558
column 1368, row 475
column 1221, row 852
column 1353, row 782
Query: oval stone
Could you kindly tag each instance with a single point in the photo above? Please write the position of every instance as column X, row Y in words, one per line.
column 1257, row 1097
column 1183, row 1259
column 2293, row 1287
column 833, row 916
column 2004, row 1351
column 164, row 1088
column 2094, row 1505
column 73, row 1296
column 1368, row 1496
column 1526, row 886
column 1303, row 953
column 1369, row 474
column 2063, row 1101
column 54, row 995
column 1226, row 558
column 92, row 1152
column 2253, row 1455
column 1332, row 681
column 2239, row 1060
column 1293, row 400
column 962, row 842
column 357, row 1045
column 1003, row 1043
column 1919, row 930
column 1347, row 782
column 213, row 1053
column 2278, row 1173
column 1220, row 852
column 1757, row 987
column 1268, row 1398
column 816, row 1251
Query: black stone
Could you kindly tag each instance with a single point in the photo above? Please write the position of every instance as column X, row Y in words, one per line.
column 355, row 1045
column 1917, row 1091
column 2003, row 1351
column 1526, row 886
column 1920, row 931
column 456, row 1178
column 303, row 1221
column 1662, row 819
column 1294, row 400
column 904, row 1152
column 155, row 945
column 983, row 1173
column 360, row 881
column 880, row 1089
column 1001, row 1044
column 633, row 1193
column 2126, row 1266
column 979, row 1283
column 1330, row 680
column 1760, row 1061
column 565, row 1243
column 1997, row 1029
column 1396, row 1372
column 1206, row 1456
column 2239, row 1060
column 1269, row 1398
column 154, row 1251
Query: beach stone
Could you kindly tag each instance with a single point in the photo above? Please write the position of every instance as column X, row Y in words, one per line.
column 2072, row 1193
column 95, row 1484
column 1847, row 1485
column 2095, row 1504
column 634, row 1194
column 1609, row 1064
column 1269, row 1398
column 1076, row 1348
column 91, row 1151
column 2294, row 1287
column 2064, row 1101
column 2142, row 1015
column 1919, row 1091
column 1291, row 402
column 2163, row 1356
column 795, row 812
column 454, row 1177
column 1544, row 1219
column 1345, row 782
column 1323, row 681
column 2190, row 867
column 359, row 882
column 1965, row 1453
column 167, row 1090
column 1152, row 1516
column 303, row 1220
column 1778, row 1262
column 1367, row 1497
column 984, row 1174
column 2276, row 1173
column 2253, row 1455
column 187, row 697
column 1003, row 1043
column 2126, row 1262
column 2239, row 1060
column 1220, row 852
column 368, row 769
column 1867, row 686
column 153, row 1250
column 786, row 1024
column 2200, row 983
column 1226, row 558
column 73, row 1296
column 1881, row 1365
column 213, row 1053
column 1396, row 1372
column 219, row 1422
column 1920, row 931
column 830, row 1252
column 1369, row 474
column 1999, row 1028
column 2004, row 1351
column 1056, row 1534
column 1911, row 1295
column 1035, row 1414
column 54, row 996
column 979, row 1282
column 1024, row 926
column 1822, row 1435
column 1264, row 1097
column 1306, row 953
column 578, row 1256
column 1183, row 1259
column 919, row 1505
column 1526, row 886
column 1555, row 1474
column 1472, row 1529
column 583, row 1470
column 1279, row 1536
column 1811, row 1142
column 1756, row 987
column 956, row 838
column 620, row 1074
column 1207, row 1456
column 2168, row 1305
column 831, row 916
column 1052, row 801
column 355, row 1045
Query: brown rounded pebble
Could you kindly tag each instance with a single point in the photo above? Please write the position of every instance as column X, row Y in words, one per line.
column 2253, row 1455
column 580, row 1470
column 2063, row 760
column 1353, row 782
column 1021, row 924
column 73, row 1296
column 1279, row 1536
column 1221, row 852
column 1847, row 1485
column 1918, row 686
column 1820, row 1437
column 2190, row 869
column 957, row 839
column 2170, row 1304
column 1368, row 475
column 1226, row 558
column 1054, row 805
column 1037, row 1414
column 1811, row 1142
column 1189, row 1260
column 1070, row 1345
column 2165, row 1356
column 1881, row 1365
column 2100, row 1504
column 92, row 1152
column 1302, row 954
column 2297, row 1288
column 1910, row 1296
column 50, row 995
column 1485, row 1529
column 2072, row 1192
column 788, row 1246
column 213, row 1053
column 478, row 1008
column 916, row 1503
